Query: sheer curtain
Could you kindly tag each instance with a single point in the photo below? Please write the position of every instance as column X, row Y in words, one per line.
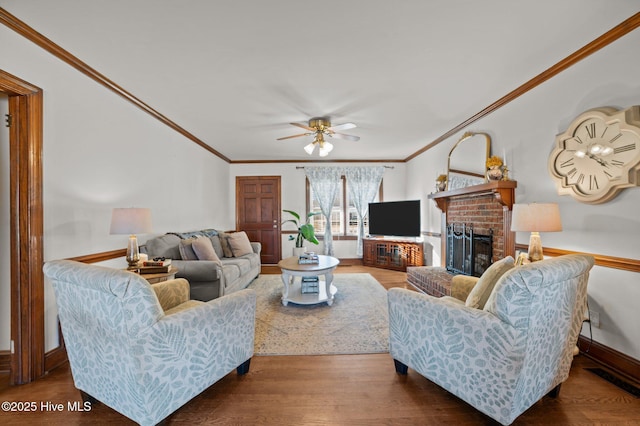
column 325, row 182
column 363, row 184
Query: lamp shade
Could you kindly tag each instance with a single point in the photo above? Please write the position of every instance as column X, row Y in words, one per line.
column 536, row 217
column 130, row 221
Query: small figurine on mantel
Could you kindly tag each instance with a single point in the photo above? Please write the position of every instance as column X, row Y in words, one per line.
column 441, row 182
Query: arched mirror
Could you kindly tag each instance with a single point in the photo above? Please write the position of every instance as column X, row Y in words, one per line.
column 467, row 160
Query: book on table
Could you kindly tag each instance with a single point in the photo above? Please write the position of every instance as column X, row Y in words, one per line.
column 309, row 284
column 308, row 258
column 153, row 269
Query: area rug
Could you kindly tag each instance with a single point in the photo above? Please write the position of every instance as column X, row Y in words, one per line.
column 356, row 323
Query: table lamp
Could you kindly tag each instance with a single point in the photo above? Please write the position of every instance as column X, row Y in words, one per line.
column 536, row 218
column 131, row 221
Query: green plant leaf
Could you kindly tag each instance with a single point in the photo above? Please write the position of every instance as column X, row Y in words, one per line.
column 308, row 233
column 292, row 213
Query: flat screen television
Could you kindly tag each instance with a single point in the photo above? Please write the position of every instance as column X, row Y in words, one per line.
column 395, row 218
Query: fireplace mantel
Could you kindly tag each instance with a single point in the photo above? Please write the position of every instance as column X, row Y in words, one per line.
column 502, row 190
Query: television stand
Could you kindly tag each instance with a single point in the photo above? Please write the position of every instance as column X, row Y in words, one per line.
column 394, row 254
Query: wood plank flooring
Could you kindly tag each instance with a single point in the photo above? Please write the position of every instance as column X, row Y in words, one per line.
column 335, row 390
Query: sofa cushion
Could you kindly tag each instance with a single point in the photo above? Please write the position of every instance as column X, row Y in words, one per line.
column 239, row 243
column 480, row 293
column 204, row 249
column 163, row 246
column 224, row 242
column 242, row 263
column 231, row 273
column 186, row 249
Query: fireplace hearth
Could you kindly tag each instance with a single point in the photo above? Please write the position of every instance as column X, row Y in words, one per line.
column 468, row 253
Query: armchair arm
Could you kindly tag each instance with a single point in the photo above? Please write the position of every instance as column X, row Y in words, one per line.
column 455, row 346
column 461, row 286
column 171, row 293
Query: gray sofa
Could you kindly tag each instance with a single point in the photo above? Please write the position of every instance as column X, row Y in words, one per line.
column 208, row 279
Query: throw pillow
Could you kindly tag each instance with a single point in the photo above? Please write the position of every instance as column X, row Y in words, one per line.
column 204, row 249
column 483, row 288
column 186, row 249
column 217, row 245
column 239, row 243
column 224, row 242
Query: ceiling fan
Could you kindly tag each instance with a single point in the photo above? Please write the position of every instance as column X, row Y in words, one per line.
column 321, row 127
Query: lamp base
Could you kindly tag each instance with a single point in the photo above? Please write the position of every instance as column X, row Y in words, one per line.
column 535, row 247
column 133, row 253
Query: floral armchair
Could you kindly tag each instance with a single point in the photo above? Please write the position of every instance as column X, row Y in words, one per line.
column 147, row 350
column 501, row 359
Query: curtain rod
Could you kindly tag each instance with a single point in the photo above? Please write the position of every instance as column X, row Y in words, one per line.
column 386, row 167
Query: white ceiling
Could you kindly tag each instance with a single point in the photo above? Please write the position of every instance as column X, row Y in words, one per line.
column 235, row 73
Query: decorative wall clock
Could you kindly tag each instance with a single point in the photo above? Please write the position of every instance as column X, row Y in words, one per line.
column 598, row 155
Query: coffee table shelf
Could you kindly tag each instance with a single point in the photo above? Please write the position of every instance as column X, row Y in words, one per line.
column 292, row 273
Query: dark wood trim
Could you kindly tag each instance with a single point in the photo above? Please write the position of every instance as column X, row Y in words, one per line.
column 614, row 360
column 625, row 264
column 32, row 35
column 26, row 228
column 315, row 161
column 502, row 190
column 607, row 38
column 100, row 257
column 5, row 362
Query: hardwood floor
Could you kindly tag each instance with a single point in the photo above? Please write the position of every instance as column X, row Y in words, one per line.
column 335, row 390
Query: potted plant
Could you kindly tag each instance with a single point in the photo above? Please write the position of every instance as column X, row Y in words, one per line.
column 305, row 231
column 494, row 166
column 441, row 182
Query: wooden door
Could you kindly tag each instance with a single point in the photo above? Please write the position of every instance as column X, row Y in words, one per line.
column 258, row 213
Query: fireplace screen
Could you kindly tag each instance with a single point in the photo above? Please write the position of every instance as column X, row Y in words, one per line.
column 468, row 253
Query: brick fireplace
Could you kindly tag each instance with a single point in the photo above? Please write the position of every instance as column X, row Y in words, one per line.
column 487, row 209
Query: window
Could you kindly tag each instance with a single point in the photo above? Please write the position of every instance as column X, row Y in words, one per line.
column 344, row 221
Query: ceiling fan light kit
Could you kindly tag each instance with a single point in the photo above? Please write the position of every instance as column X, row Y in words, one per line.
column 321, row 126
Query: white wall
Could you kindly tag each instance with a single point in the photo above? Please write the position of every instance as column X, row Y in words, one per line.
column 526, row 130
column 293, row 194
column 101, row 152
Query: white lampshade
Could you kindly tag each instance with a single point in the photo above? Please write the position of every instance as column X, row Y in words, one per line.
column 309, row 148
column 130, row 221
column 325, row 149
column 536, row 218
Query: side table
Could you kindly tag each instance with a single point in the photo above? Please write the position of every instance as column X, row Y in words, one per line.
column 160, row 277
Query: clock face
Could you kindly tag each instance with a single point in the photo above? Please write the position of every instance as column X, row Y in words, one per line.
column 598, row 155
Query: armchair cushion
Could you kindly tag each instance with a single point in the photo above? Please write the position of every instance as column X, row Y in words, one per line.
column 171, row 293
column 480, row 293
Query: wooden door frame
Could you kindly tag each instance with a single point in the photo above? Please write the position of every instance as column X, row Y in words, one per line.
column 26, row 228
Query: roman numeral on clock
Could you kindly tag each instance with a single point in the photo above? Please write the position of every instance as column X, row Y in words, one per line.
column 617, row 163
column 624, row 148
column 593, row 182
column 567, row 163
column 615, row 138
column 591, row 130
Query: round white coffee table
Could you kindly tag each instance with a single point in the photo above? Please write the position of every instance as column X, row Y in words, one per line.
column 292, row 291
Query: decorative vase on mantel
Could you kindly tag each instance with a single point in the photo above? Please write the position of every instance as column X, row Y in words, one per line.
column 494, row 173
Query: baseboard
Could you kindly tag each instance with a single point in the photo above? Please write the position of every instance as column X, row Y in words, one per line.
column 5, row 361
column 55, row 358
column 610, row 358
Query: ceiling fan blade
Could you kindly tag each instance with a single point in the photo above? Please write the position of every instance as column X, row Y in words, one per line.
column 304, row 126
column 294, row 136
column 344, row 126
column 343, row 136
